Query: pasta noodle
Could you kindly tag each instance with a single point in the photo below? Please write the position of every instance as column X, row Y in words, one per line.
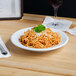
column 44, row 39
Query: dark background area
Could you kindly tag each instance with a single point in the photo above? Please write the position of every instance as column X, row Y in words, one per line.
column 42, row 7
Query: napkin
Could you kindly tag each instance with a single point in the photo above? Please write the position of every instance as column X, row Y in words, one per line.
column 64, row 26
column 8, row 54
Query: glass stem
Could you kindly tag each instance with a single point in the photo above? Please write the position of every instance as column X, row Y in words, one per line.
column 55, row 15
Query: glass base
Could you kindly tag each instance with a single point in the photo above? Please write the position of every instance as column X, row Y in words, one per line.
column 56, row 25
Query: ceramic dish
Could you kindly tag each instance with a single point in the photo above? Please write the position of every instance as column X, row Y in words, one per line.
column 15, row 40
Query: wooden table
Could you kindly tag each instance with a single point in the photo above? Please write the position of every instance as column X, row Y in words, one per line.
column 58, row 62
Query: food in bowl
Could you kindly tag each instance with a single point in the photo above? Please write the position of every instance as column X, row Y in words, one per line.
column 40, row 37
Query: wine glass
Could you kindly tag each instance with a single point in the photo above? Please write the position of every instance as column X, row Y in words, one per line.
column 55, row 4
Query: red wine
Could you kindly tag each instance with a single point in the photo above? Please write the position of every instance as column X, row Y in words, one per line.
column 55, row 3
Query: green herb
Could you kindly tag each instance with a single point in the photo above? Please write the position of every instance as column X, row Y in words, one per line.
column 36, row 29
column 39, row 28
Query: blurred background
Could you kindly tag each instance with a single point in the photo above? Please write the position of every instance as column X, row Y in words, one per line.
column 42, row 7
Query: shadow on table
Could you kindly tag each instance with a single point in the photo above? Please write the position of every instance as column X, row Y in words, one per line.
column 21, row 52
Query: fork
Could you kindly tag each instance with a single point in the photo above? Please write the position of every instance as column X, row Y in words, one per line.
column 3, row 51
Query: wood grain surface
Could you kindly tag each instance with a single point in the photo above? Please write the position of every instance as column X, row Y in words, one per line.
column 60, row 62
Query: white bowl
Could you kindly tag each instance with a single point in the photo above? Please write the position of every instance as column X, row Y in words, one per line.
column 15, row 40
